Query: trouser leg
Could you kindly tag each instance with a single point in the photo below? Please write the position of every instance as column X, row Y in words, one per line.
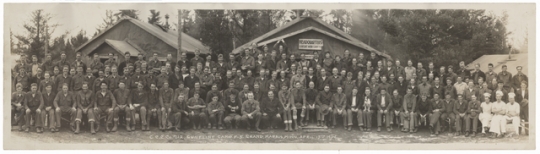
column 349, row 117
column 334, row 115
column 257, row 118
column 468, row 121
column 360, row 117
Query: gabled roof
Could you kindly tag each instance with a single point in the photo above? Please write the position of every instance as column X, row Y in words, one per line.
column 352, row 40
column 189, row 43
column 499, row 60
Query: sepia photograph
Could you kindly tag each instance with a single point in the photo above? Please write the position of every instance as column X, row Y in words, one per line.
column 280, row 76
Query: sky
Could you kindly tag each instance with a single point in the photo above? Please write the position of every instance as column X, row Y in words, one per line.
column 74, row 17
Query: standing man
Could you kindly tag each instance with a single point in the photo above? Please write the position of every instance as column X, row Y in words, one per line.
column 384, row 104
column 251, row 112
column 34, row 104
column 85, row 103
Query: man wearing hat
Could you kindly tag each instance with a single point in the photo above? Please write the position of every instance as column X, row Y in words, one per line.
column 486, row 115
column 498, row 122
column 512, row 112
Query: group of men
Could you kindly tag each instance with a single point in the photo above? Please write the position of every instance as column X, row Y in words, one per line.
column 265, row 89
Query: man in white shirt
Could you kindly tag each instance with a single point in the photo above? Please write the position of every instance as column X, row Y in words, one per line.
column 460, row 86
column 498, row 121
column 512, row 113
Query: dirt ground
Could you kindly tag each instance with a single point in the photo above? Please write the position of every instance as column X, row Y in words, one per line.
column 337, row 135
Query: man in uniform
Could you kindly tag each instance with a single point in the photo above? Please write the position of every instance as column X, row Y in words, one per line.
column 122, row 104
column 85, row 106
column 33, row 104
column 196, row 108
column 64, row 102
column 104, row 105
column 251, row 112
column 215, row 112
column 298, row 102
column 512, row 113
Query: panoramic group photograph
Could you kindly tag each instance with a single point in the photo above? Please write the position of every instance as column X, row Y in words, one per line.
column 100, row 73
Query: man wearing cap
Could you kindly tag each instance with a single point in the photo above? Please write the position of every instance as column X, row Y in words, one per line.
column 512, row 112
column 473, row 111
column 33, row 104
column 498, row 121
column 519, row 77
column 486, row 114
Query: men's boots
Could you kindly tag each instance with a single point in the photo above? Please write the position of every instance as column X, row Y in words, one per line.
column 77, row 125
column 92, row 128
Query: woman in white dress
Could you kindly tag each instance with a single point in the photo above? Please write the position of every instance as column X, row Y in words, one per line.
column 485, row 115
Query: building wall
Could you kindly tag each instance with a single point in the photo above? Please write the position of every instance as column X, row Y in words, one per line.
column 127, row 30
column 335, row 46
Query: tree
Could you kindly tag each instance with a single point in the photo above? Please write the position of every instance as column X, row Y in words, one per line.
column 38, row 34
column 154, row 17
column 108, row 21
column 341, row 19
column 127, row 13
column 214, row 30
column 79, row 39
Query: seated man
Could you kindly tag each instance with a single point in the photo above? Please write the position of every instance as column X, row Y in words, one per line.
column 138, row 100
column 271, row 108
column 33, row 104
column 166, row 94
column 298, row 104
column 409, row 111
column 215, row 113
column 122, row 106
column 311, row 95
column 232, row 108
column 424, row 110
column 512, row 112
column 179, row 112
column 323, row 105
column 384, row 104
column 64, row 103
column 473, row 111
column 17, row 106
column 85, row 101
column 48, row 107
column 397, row 102
column 154, row 106
column 460, row 111
column 104, row 105
column 353, row 109
column 437, row 108
column 251, row 112
column 196, row 108
column 339, row 104
column 486, row 114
